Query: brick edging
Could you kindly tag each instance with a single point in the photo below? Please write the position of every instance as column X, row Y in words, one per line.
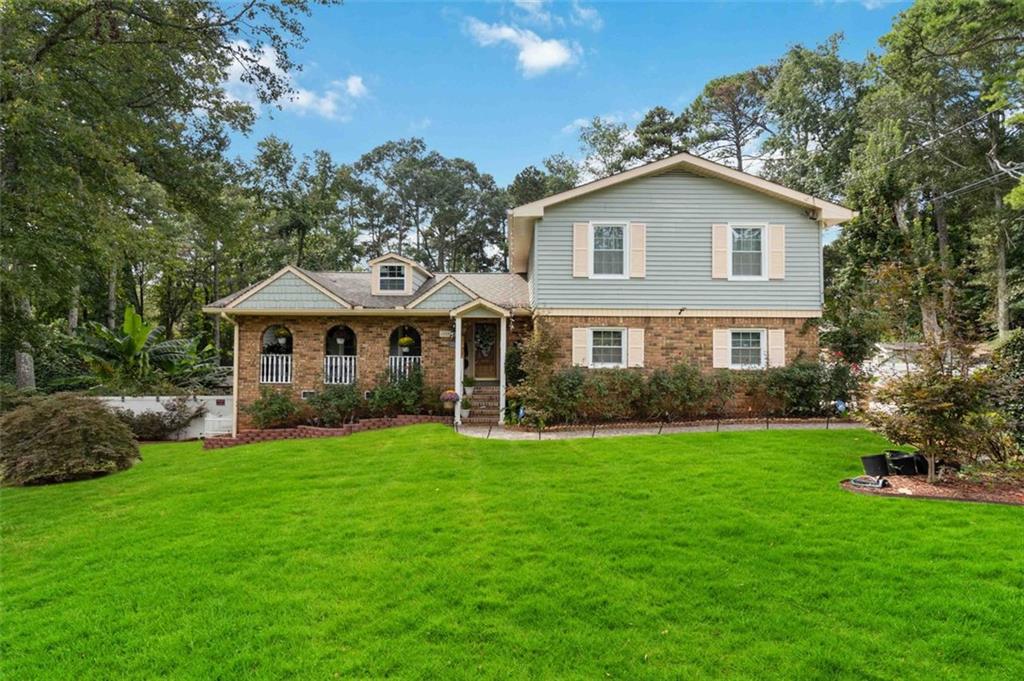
column 246, row 437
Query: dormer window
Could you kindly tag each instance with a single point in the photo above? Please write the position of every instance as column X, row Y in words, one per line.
column 392, row 277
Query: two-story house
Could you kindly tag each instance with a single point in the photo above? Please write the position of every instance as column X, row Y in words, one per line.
column 678, row 260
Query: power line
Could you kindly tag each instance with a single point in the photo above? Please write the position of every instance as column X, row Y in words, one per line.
column 935, row 139
column 977, row 184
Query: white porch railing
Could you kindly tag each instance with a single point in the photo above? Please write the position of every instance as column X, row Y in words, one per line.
column 402, row 365
column 339, row 369
column 275, row 368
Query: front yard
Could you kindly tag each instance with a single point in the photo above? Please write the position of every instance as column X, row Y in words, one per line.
column 418, row 553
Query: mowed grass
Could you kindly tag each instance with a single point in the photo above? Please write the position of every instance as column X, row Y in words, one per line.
column 418, row 553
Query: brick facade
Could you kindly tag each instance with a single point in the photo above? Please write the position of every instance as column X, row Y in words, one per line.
column 674, row 340
column 309, row 337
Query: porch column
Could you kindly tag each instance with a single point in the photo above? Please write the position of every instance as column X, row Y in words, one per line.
column 458, row 368
column 502, row 324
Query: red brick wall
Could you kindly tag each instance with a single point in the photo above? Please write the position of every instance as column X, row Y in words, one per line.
column 673, row 340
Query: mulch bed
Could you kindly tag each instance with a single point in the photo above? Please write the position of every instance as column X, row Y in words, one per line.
column 917, row 486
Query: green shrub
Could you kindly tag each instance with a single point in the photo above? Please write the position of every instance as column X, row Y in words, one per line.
column 11, row 398
column 336, row 405
column 798, row 389
column 161, row 425
column 565, row 391
column 514, row 372
column 274, row 409
column 613, row 395
column 721, row 391
column 1009, row 363
column 63, row 437
column 678, row 393
column 398, row 395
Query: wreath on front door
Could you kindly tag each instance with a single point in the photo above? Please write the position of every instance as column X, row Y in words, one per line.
column 483, row 340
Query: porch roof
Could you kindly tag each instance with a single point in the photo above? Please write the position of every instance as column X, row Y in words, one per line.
column 506, row 290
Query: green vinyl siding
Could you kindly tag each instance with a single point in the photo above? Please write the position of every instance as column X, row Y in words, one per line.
column 678, row 209
column 448, row 297
column 288, row 292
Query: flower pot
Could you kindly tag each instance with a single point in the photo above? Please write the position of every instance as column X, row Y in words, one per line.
column 465, row 413
column 449, row 406
column 902, row 463
column 875, row 464
column 468, row 389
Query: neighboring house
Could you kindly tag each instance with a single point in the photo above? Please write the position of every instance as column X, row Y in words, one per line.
column 678, row 260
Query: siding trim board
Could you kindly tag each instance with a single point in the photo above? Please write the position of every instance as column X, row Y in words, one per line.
column 679, row 312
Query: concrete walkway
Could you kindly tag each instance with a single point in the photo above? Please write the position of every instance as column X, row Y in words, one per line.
column 500, row 433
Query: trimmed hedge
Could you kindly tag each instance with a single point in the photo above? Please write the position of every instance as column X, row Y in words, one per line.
column 63, row 437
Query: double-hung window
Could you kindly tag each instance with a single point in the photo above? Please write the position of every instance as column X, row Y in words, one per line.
column 607, row 348
column 392, row 277
column 747, row 349
column 747, row 250
column 608, row 252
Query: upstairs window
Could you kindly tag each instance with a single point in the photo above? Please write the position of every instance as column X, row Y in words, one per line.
column 609, row 251
column 392, row 277
column 607, row 348
column 746, row 349
column 747, row 252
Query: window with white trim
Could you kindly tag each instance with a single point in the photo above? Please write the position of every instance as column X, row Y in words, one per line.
column 747, row 251
column 607, row 348
column 608, row 252
column 747, row 349
column 392, row 277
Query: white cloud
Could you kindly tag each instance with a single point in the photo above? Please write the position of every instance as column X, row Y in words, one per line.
column 355, row 87
column 536, row 11
column 585, row 16
column 536, row 55
column 420, row 124
column 334, row 102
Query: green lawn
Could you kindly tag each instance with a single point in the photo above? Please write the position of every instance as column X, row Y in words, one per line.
column 418, row 553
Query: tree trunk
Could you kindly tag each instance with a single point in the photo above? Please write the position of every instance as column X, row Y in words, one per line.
column 112, row 298
column 216, row 294
column 24, row 362
column 930, row 327
column 73, row 308
column 942, row 232
column 1002, row 291
column 932, row 477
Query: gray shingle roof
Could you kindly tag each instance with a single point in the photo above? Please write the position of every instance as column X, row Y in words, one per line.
column 501, row 288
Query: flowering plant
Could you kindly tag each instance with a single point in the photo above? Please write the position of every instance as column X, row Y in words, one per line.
column 406, row 341
column 450, row 396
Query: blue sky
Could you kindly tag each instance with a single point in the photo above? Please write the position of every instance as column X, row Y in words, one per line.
column 504, row 84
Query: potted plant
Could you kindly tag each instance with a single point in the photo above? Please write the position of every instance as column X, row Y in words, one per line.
column 449, row 398
column 405, row 343
column 467, row 385
column 466, row 407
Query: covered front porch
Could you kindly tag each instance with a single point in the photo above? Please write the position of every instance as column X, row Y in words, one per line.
column 481, row 339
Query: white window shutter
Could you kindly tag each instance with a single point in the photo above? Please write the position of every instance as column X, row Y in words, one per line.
column 637, row 250
column 580, row 346
column 776, row 251
column 581, row 249
column 721, row 348
column 635, row 348
column 719, row 251
column 776, row 347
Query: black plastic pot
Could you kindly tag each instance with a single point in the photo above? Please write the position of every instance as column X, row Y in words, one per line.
column 875, row 464
column 902, row 463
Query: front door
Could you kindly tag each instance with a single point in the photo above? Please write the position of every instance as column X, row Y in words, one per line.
column 485, row 351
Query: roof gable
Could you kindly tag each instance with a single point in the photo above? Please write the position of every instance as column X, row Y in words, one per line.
column 289, row 289
column 447, row 295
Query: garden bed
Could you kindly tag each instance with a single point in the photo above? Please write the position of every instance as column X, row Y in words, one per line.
column 695, row 423
column 917, row 486
column 245, row 437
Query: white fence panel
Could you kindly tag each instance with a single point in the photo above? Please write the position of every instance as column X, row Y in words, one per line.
column 220, row 412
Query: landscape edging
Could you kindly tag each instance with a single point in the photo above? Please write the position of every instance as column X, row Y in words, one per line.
column 245, row 437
